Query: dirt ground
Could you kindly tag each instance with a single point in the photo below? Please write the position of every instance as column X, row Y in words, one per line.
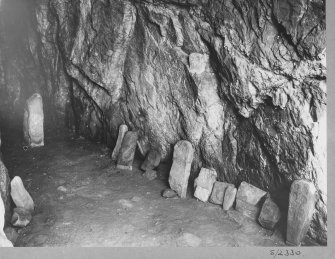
column 82, row 200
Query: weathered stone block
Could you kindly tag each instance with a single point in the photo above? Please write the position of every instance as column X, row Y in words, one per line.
column 301, row 207
column 122, row 131
column 204, row 184
column 152, row 160
column 229, row 197
column 21, row 217
column 250, row 194
column 218, row 192
column 270, row 214
column 181, row 167
column 20, row 196
column 33, row 121
column 127, row 151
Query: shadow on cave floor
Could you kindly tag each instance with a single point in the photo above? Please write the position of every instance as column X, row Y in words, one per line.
column 82, row 200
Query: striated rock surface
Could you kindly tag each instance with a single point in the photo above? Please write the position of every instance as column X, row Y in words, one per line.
column 243, row 81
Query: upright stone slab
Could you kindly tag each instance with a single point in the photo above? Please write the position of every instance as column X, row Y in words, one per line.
column 20, row 196
column 127, row 151
column 270, row 214
column 229, row 197
column 249, row 199
column 4, row 242
column 301, row 207
column 218, row 192
column 33, row 121
column 181, row 167
column 204, row 184
column 152, row 160
column 122, row 131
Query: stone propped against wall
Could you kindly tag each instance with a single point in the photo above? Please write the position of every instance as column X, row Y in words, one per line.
column 249, row 199
column 204, row 184
column 33, row 121
column 301, row 208
column 20, row 196
column 151, row 161
column 181, row 167
column 127, row 151
column 122, row 131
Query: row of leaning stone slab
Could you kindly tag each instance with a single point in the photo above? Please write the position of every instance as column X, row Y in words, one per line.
column 250, row 200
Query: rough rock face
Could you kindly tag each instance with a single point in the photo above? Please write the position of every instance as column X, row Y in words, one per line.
column 242, row 80
column 4, row 187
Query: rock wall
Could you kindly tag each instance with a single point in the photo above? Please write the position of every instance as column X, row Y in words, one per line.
column 242, row 80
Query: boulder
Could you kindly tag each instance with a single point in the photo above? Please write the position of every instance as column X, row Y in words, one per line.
column 4, row 242
column 127, row 151
column 152, row 160
column 270, row 214
column 218, row 192
column 21, row 217
column 204, row 184
column 229, row 197
column 301, row 207
column 150, row 174
column 20, row 196
column 33, row 121
column 249, row 200
column 181, row 167
column 169, row 193
column 122, row 131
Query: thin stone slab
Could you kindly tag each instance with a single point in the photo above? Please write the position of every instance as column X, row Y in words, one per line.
column 250, row 194
column 152, row 160
column 181, row 167
column 127, row 151
column 270, row 214
column 21, row 217
column 20, row 196
column 218, row 192
column 229, row 197
column 301, row 207
column 122, row 131
column 33, row 121
column 4, row 242
column 204, row 184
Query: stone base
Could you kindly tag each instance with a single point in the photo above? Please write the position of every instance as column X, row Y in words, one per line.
column 124, row 167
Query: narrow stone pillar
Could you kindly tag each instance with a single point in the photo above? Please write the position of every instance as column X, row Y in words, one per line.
column 122, row 131
column 127, row 151
column 300, row 211
column 181, row 167
column 33, row 121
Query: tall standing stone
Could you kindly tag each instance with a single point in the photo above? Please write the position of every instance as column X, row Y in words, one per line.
column 249, row 199
column 301, row 207
column 151, row 161
column 181, row 167
column 20, row 196
column 204, row 184
column 33, row 121
column 122, row 131
column 127, row 151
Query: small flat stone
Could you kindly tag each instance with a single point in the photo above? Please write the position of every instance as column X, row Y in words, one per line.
column 62, row 189
column 169, row 193
column 21, row 217
column 150, row 174
column 270, row 214
column 301, row 207
column 218, row 192
column 204, row 184
column 229, row 197
column 20, row 195
column 152, row 160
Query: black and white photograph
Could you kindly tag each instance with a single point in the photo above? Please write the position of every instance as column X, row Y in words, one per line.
column 164, row 124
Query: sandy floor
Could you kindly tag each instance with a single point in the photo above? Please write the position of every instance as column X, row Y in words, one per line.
column 82, row 200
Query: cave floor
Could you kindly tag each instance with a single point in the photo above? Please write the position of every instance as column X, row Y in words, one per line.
column 82, row 200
